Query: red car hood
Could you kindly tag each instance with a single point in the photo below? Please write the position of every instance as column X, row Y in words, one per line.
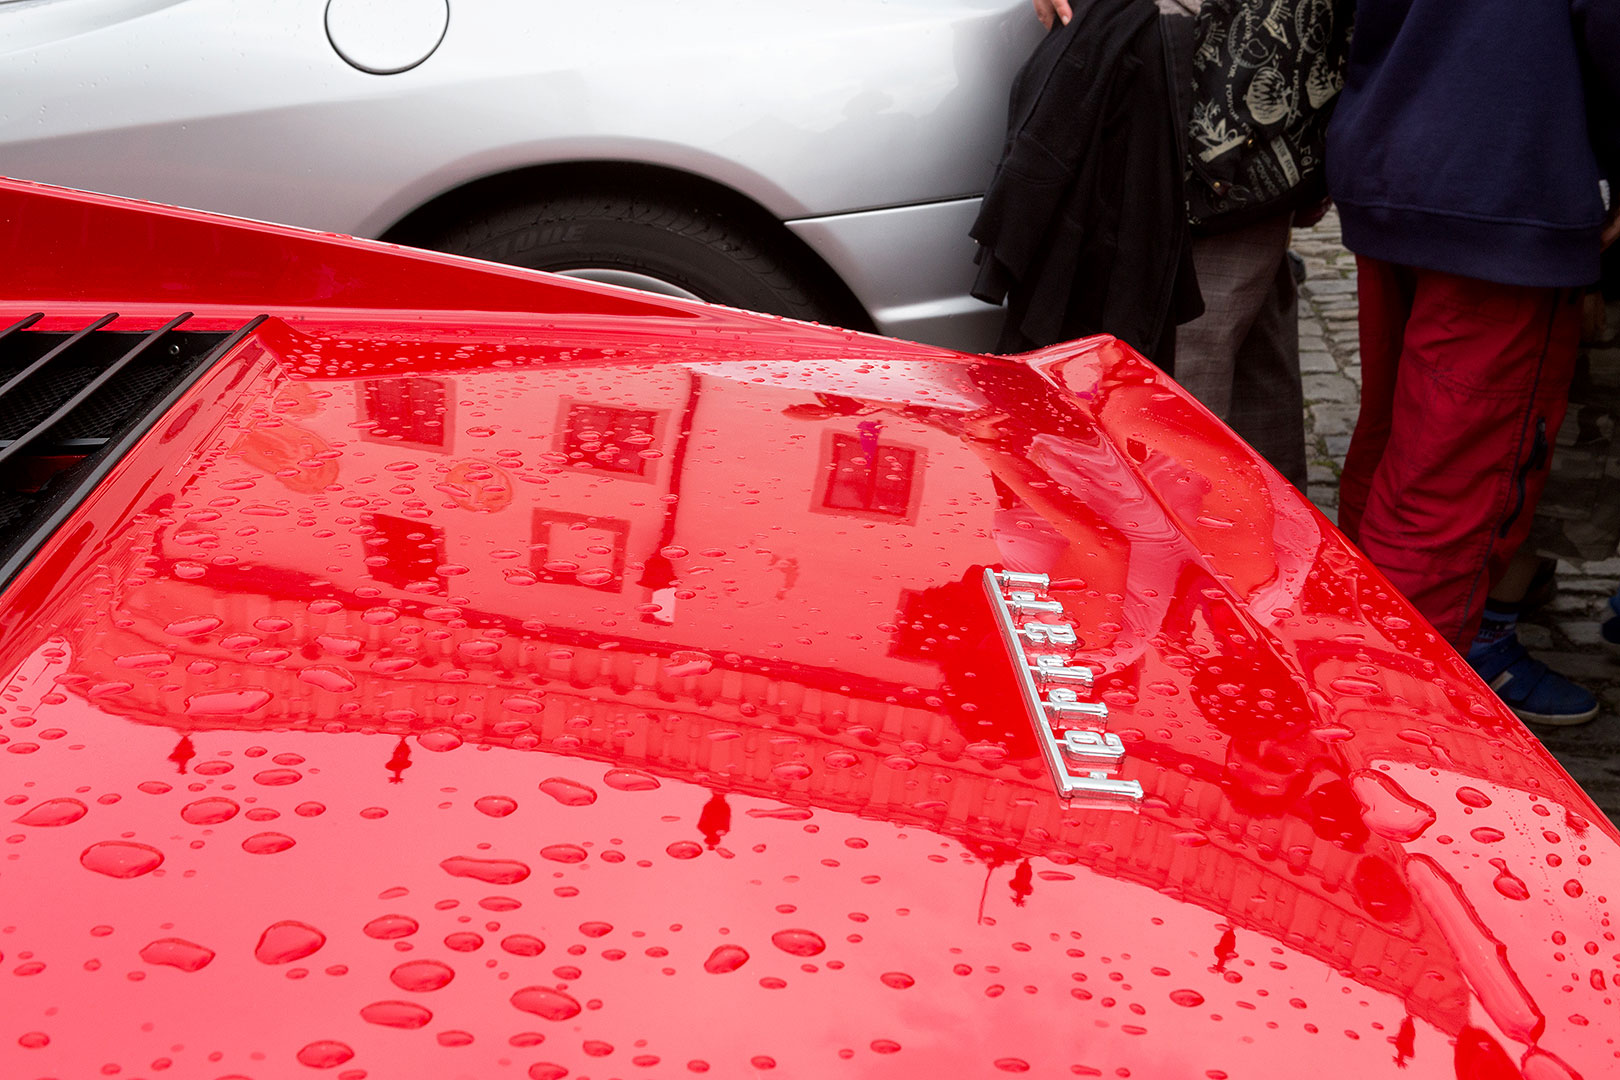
column 443, row 689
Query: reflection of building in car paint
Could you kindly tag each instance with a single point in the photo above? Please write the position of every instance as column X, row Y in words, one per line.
column 865, row 702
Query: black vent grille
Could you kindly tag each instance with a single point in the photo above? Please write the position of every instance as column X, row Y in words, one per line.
column 71, row 403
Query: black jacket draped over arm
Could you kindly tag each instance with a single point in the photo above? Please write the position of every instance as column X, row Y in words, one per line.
column 1084, row 229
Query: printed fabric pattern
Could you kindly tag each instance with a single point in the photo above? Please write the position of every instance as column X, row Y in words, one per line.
column 1266, row 74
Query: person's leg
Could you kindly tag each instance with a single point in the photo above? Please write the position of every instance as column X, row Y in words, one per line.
column 1268, row 402
column 1482, row 383
column 1384, row 293
column 1500, row 619
column 1235, row 274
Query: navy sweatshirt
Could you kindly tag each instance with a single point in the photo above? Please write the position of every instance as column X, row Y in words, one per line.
column 1471, row 135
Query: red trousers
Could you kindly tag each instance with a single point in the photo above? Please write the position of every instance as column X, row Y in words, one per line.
column 1464, row 384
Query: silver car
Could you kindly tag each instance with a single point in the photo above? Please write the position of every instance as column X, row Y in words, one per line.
column 819, row 159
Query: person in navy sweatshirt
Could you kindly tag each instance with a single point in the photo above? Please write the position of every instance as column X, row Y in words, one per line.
column 1467, row 158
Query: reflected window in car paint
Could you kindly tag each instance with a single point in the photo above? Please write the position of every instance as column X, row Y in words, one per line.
column 607, row 437
column 403, row 553
column 865, row 476
column 411, row 410
column 579, row 549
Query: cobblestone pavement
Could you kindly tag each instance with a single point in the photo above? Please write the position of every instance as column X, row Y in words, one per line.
column 1565, row 633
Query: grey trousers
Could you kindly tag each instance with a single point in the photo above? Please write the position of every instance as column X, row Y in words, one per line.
column 1241, row 356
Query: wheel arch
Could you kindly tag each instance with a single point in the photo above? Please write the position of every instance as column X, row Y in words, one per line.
column 528, row 184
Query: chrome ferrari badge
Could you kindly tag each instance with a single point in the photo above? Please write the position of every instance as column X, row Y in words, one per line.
column 1079, row 749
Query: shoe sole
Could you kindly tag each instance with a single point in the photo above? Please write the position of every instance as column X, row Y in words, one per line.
column 1565, row 720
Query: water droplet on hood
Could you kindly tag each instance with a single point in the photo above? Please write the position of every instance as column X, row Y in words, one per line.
column 726, row 958
column 334, row 679
column 899, row 980
column 277, row 777
column 209, row 811
column 493, row 871
column 799, row 942
column 568, row 792
column 396, row 1014
column 545, row 1002
column 684, row 662
column 286, row 941
column 496, row 806
column 121, row 859
column 523, row 945
column 177, row 953
column 439, row 740
column 1387, row 809
column 145, row 659
column 267, row 843
column 988, row 752
column 1507, row 883
column 388, row 927
column 563, row 853
column 54, row 812
column 227, row 702
column 195, row 626
column 325, row 1054
column 340, row 645
column 421, row 976
column 629, row 780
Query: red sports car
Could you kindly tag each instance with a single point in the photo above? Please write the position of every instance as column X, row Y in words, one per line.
column 415, row 668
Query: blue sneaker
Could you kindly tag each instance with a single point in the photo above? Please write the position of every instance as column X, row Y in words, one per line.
column 1536, row 693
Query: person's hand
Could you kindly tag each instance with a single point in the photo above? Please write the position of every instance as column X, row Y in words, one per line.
column 1611, row 228
column 1047, row 10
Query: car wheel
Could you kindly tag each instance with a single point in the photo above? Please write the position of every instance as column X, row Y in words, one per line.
column 646, row 244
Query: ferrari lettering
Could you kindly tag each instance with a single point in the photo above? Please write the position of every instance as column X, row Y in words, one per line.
column 1080, row 752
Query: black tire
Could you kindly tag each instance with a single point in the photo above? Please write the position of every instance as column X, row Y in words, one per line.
column 703, row 253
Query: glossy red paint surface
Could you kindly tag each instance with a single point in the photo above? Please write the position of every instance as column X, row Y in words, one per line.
column 587, row 694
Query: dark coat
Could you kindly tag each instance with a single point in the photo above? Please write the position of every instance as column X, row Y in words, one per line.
column 1084, row 228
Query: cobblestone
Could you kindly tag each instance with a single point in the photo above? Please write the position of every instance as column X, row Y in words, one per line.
column 1334, row 387
column 1564, row 634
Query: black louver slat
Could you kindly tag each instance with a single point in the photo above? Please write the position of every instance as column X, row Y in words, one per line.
column 11, row 447
column 72, row 403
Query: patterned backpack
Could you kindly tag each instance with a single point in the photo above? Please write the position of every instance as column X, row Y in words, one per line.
column 1266, row 74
